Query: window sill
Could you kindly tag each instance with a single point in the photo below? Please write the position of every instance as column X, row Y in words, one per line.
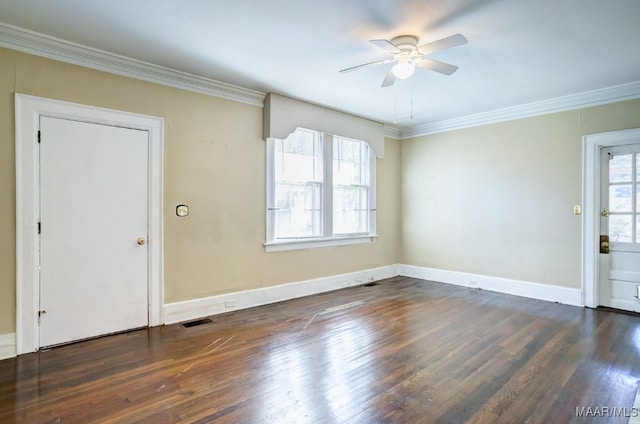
column 281, row 246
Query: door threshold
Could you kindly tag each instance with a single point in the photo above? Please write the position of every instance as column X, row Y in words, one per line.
column 618, row 311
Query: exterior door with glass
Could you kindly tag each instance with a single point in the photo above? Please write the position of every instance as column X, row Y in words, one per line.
column 620, row 223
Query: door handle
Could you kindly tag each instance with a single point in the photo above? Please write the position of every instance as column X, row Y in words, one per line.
column 140, row 241
column 604, row 244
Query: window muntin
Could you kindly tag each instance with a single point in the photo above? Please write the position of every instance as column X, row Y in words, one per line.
column 319, row 187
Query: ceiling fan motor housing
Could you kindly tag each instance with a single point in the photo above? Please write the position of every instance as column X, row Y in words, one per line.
column 406, row 43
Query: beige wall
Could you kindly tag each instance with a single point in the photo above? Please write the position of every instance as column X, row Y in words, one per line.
column 494, row 200
column 498, row 199
column 214, row 162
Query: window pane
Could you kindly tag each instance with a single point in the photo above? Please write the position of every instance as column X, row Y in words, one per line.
column 620, row 198
column 298, row 185
column 637, row 167
column 298, row 209
column 637, row 228
column 351, row 186
column 350, row 161
column 350, row 210
column 620, row 228
column 294, row 223
column 298, row 157
column 620, row 169
column 637, row 198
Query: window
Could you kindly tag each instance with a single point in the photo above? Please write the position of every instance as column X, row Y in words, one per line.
column 320, row 191
column 624, row 195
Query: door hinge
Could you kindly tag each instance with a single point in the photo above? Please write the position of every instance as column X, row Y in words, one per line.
column 38, row 136
column 40, row 313
column 39, row 228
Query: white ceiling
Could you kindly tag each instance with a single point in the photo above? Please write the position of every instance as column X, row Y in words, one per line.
column 519, row 51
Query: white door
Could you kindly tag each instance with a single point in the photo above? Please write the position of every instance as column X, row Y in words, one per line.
column 620, row 220
column 93, row 217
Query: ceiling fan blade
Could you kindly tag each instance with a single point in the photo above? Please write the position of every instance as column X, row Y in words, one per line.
column 386, row 45
column 390, row 79
column 434, row 65
column 445, row 43
column 378, row 62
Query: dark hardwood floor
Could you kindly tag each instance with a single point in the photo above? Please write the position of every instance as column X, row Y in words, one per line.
column 402, row 351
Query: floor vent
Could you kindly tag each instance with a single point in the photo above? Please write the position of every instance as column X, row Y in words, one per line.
column 196, row 323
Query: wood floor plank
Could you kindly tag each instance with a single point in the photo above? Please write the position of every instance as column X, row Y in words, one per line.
column 402, row 351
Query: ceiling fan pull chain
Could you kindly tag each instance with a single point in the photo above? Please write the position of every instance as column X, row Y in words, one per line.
column 411, row 98
column 395, row 105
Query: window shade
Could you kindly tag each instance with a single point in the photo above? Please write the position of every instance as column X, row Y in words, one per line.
column 282, row 115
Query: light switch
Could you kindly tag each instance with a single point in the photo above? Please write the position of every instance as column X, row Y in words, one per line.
column 182, row 210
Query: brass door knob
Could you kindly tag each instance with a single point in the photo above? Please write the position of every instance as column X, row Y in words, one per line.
column 140, row 241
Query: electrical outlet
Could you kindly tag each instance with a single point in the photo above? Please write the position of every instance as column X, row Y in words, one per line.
column 473, row 283
column 230, row 304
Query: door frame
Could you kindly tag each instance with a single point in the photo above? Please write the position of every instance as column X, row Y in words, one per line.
column 592, row 144
column 28, row 110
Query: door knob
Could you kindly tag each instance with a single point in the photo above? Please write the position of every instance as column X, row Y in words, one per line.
column 604, row 244
column 140, row 241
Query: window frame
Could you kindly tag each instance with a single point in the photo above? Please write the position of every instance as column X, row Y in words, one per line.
column 327, row 238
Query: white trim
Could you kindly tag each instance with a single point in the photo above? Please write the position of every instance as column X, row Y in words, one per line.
column 31, row 42
column 198, row 308
column 586, row 99
column 28, row 110
column 7, row 345
column 392, row 132
column 591, row 146
column 281, row 246
column 566, row 295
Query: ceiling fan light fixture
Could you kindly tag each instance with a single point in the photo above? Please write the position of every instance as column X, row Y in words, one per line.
column 403, row 70
column 406, row 55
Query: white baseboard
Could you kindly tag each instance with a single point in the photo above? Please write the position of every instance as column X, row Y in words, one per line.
column 7, row 345
column 198, row 308
column 529, row 289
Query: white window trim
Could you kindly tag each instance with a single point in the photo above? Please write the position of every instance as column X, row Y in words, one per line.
column 299, row 244
column 272, row 245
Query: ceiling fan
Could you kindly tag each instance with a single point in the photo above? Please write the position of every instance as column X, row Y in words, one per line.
column 407, row 55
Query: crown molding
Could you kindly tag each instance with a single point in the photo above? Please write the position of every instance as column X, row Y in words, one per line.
column 392, row 132
column 31, row 42
column 26, row 41
column 586, row 99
